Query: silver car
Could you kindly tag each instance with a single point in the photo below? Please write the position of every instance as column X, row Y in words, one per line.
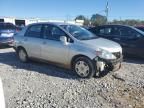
column 69, row 46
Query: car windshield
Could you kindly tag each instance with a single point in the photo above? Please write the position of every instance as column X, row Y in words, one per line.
column 79, row 32
column 5, row 26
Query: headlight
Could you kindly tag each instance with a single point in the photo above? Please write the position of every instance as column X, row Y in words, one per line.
column 105, row 54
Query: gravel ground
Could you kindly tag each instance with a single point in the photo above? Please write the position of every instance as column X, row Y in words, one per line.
column 40, row 85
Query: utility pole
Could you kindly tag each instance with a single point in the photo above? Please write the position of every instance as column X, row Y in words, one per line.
column 107, row 10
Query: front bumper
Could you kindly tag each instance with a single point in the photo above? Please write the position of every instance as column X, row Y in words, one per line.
column 110, row 65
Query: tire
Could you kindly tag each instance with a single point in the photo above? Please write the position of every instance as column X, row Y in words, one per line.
column 83, row 67
column 22, row 54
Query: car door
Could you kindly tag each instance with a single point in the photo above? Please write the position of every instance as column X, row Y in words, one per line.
column 52, row 48
column 32, row 40
column 140, row 45
column 130, row 41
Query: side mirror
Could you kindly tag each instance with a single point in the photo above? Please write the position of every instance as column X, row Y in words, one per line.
column 63, row 39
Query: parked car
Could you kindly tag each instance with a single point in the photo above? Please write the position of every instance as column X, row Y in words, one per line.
column 7, row 31
column 130, row 38
column 140, row 28
column 70, row 46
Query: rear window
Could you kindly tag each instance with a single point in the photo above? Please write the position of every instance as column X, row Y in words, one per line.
column 5, row 26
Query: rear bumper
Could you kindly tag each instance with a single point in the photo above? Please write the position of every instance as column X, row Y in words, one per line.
column 6, row 44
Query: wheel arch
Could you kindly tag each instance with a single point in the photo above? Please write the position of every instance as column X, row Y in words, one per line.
column 77, row 56
column 20, row 47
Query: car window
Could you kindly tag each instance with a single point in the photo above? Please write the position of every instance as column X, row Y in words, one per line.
column 105, row 31
column 5, row 26
column 53, row 32
column 34, row 31
column 78, row 32
column 126, row 32
column 109, row 31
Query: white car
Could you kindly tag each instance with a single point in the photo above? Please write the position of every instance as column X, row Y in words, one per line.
column 70, row 46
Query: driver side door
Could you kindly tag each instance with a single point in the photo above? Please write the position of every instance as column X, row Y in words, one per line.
column 52, row 48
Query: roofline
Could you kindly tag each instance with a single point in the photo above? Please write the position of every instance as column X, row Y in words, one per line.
column 114, row 25
column 52, row 23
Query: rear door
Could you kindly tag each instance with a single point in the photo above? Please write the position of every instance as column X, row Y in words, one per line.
column 32, row 40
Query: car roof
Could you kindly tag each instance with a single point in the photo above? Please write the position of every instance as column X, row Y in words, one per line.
column 52, row 23
column 114, row 25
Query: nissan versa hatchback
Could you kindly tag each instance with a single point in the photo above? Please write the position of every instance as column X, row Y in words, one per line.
column 70, row 46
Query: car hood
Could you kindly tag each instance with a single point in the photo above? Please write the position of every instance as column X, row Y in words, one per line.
column 103, row 44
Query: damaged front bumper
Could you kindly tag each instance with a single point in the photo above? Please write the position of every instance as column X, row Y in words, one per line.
column 110, row 65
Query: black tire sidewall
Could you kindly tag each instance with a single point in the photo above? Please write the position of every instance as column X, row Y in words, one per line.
column 90, row 64
column 21, row 49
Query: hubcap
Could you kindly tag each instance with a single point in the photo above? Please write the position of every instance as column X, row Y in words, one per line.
column 22, row 55
column 82, row 68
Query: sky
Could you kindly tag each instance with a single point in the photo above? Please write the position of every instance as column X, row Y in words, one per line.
column 69, row 9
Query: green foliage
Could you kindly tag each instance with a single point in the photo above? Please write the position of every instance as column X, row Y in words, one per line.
column 95, row 20
column 98, row 19
column 82, row 17
column 130, row 22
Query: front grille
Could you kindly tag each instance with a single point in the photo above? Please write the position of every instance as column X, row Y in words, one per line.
column 117, row 55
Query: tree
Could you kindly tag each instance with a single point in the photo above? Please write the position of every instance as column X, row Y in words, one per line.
column 98, row 19
column 82, row 17
column 130, row 22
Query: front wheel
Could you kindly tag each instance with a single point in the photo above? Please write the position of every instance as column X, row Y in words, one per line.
column 22, row 55
column 84, row 67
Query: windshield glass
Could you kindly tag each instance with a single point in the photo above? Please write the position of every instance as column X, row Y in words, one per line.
column 79, row 32
column 6, row 26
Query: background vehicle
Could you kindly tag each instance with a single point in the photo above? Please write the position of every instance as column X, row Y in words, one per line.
column 140, row 28
column 7, row 31
column 130, row 38
column 68, row 45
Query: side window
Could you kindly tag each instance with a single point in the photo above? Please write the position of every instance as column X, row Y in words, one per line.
column 53, row 32
column 126, row 32
column 34, row 31
column 105, row 31
column 115, row 31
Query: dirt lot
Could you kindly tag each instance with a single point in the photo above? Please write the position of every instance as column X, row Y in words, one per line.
column 40, row 85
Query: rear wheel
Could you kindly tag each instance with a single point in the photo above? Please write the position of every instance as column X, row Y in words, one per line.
column 22, row 55
column 83, row 67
